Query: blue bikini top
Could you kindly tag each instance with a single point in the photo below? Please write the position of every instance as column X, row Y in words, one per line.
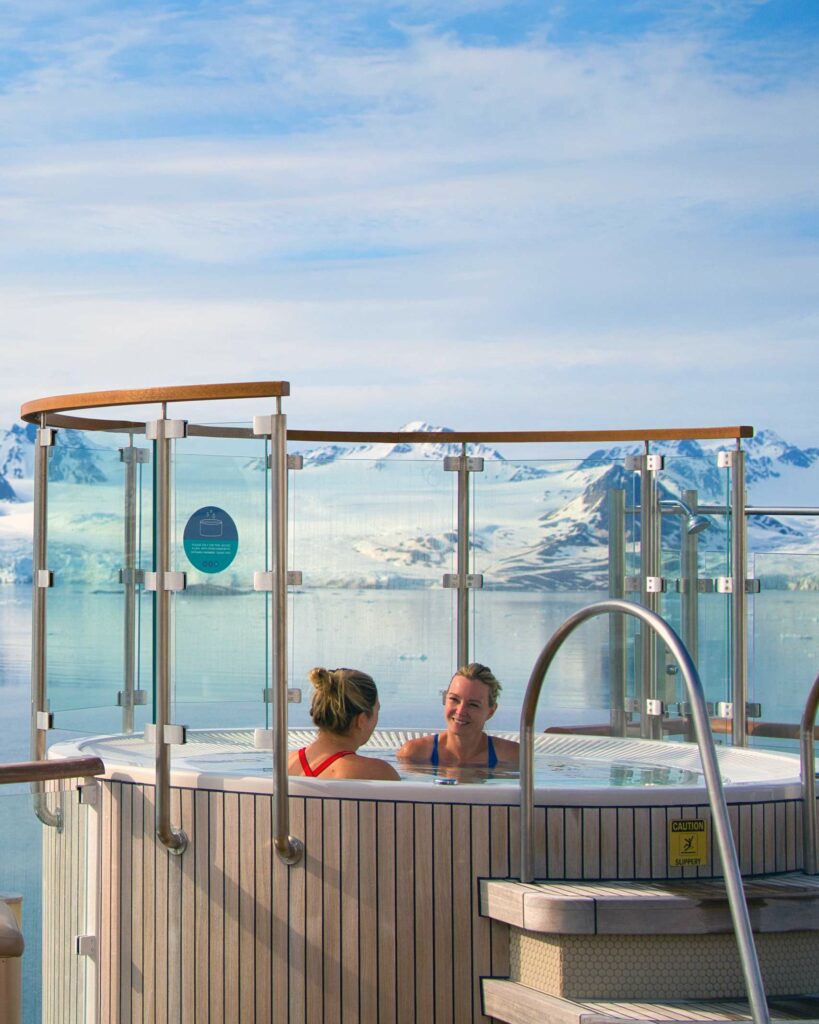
column 491, row 756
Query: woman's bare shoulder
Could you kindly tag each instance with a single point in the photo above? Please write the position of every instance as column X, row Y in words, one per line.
column 506, row 750
column 359, row 767
column 419, row 749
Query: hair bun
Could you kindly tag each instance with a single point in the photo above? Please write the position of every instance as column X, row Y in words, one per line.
column 320, row 678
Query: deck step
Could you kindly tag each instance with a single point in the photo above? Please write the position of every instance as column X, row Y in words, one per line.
column 776, row 903
column 514, row 1003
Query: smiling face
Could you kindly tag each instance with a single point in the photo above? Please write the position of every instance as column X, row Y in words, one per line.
column 466, row 706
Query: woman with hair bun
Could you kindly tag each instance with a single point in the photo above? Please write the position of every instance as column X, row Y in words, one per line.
column 469, row 702
column 345, row 709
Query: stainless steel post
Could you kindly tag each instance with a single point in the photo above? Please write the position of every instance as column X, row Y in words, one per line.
column 463, row 561
column 287, row 847
column 689, row 573
column 39, row 580
column 617, row 624
column 129, row 585
column 173, row 839
column 739, row 603
column 713, row 782
column 807, row 746
column 650, row 725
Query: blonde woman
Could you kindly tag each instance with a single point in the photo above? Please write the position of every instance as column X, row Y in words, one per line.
column 469, row 702
column 345, row 709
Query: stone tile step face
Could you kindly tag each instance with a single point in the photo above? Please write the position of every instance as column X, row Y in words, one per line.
column 659, row 967
column 512, row 1003
column 778, row 903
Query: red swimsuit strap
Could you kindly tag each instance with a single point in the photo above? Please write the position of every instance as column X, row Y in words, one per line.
column 313, row 772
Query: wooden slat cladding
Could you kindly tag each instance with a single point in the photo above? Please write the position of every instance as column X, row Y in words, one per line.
column 380, row 924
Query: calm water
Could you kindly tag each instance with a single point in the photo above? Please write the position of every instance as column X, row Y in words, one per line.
column 404, row 638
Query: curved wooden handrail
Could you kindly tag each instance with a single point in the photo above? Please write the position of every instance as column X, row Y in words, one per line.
column 47, row 771
column 31, row 411
column 521, row 436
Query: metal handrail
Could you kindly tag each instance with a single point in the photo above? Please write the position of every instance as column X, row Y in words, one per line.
column 708, row 756
column 48, row 771
column 808, row 771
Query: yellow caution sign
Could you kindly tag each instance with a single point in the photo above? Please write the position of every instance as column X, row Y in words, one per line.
column 687, row 843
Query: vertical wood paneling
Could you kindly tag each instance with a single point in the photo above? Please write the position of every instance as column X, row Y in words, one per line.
column 368, row 913
column 149, row 1011
column 385, row 865
column 264, row 908
column 189, row 950
column 405, row 912
column 442, row 896
column 247, row 910
column 298, row 884
column 591, row 842
column 280, row 936
column 334, row 940
column 463, row 896
column 232, row 903
column 203, row 970
column 173, row 919
column 380, row 923
column 573, row 831
column 499, row 868
column 349, row 886
column 314, row 925
column 424, row 922
column 137, row 905
column 481, row 945
column 163, row 926
column 126, row 804
column 642, row 850
column 216, row 908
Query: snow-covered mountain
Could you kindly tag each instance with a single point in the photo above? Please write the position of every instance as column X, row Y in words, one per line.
column 537, row 525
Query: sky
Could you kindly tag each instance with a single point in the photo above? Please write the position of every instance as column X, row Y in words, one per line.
column 483, row 214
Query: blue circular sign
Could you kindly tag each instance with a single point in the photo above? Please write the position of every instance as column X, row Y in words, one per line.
column 211, row 539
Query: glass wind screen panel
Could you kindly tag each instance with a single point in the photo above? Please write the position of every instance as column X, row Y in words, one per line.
column 85, row 607
column 784, row 660
column 373, row 538
column 219, row 621
column 541, row 540
column 695, row 551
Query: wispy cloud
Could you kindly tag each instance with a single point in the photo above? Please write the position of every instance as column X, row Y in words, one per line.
column 388, row 198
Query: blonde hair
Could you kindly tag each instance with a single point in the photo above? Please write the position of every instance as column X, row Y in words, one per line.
column 474, row 670
column 340, row 695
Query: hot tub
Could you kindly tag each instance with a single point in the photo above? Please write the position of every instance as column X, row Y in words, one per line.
column 380, row 921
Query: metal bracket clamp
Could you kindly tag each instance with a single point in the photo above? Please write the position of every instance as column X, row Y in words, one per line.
column 472, row 581
column 725, row 585
column 295, row 462
column 653, row 584
column 138, row 698
column 135, row 455
column 173, row 735
column 172, row 581
column 725, row 459
column 653, row 463
column 293, row 695
column 455, row 463
column 705, row 585
column 263, row 581
column 85, row 945
column 131, row 577
column 656, row 709
column 725, row 709
column 44, row 720
column 44, row 579
column 172, row 429
column 631, row 705
column 46, row 437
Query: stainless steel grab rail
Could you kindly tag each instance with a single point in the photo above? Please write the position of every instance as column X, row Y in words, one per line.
column 808, row 770
column 708, row 755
